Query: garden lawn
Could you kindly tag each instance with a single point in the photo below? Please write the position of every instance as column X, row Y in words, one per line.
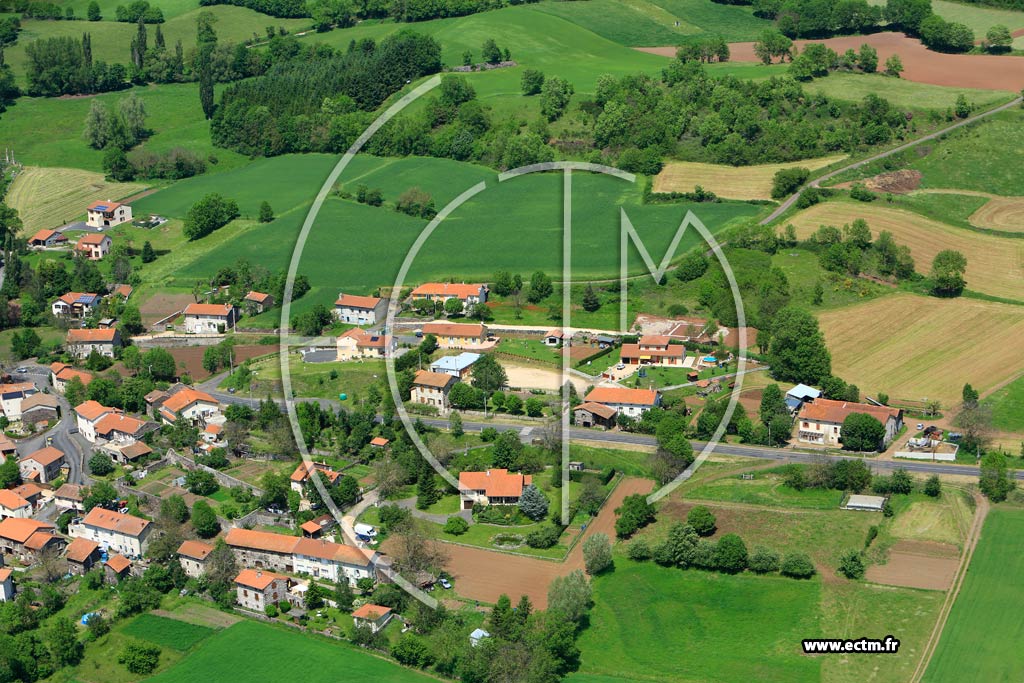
column 313, row 380
column 252, row 652
column 177, row 635
column 985, row 625
column 654, row 623
column 1007, row 406
column 766, row 488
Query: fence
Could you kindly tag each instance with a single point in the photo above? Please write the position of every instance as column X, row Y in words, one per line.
column 222, row 478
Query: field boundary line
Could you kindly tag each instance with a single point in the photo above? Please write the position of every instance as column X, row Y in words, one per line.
column 981, row 512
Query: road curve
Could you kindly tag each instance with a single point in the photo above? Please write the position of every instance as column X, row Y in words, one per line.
column 784, row 206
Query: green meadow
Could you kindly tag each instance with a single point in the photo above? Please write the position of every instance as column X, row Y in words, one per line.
column 981, row 639
column 1007, row 406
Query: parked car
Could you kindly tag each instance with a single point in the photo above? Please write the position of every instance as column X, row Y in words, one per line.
column 231, row 390
column 920, row 426
column 445, row 583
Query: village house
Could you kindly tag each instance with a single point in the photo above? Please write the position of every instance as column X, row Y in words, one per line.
column 82, row 555
column 821, row 422
column 46, row 238
column 256, row 589
column 100, row 424
column 316, row 557
column 212, row 435
column 210, row 318
column 116, row 569
column 460, row 366
column 555, row 337
column 468, row 294
column 122, row 291
column 6, row 584
column 26, row 539
column 653, row 349
column 372, row 616
column 192, row 556
column 81, row 342
column 94, row 246
column 69, row 497
column 115, row 531
column 301, row 475
column 13, row 505
column 457, row 335
column 492, row 487
column 432, row 389
column 592, row 414
column 358, row 343
column 7, row 447
column 61, row 374
column 799, row 395
column 128, row 453
column 40, row 410
column 360, row 310
column 42, row 466
column 107, row 214
column 190, row 404
column 11, row 397
column 257, row 302
column 33, row 493
column 75, row 305
column 379, row 442
column 629, row 402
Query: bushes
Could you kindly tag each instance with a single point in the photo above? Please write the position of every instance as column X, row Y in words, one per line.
column 139, row 658
column 702, row 521
column 639, row 550
column 545, row 537
column 597, row 554
column 634, row 514
column 851, row 564
column 456, row 526
column 797, row 566
column 210, row 213
column 788, row 180
column 763, row 561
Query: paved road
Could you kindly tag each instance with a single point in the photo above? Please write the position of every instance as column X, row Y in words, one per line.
column 74, row 446
column 896, row 150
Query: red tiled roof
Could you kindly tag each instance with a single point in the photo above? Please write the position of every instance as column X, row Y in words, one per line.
column 286, row 545
column 40, row 539
column 495, row 483
column 87, row 336
column 379, row 441
column 119, row 563
column 557, row 333
column 371, row 612
column 93, row 238
column 5, row 574
column 598, row 409
column 634, row 351
column 118, row 422
column 28, row 490
column 258, row 297
column 45, row 456
column 19, row 530
column 655, row 340
column 223, row 310
column 644, row 397
column 186, row 397
column 197, row 550
column 115, row 521
column 355, row 301
column 311, row 527
column 11, row 500
column 69, row 491
column 260, row 540
column 44, row 235
column 438, row 380
column 825, row 410
column 459, row 290
column 454, row 330
column 123, row 290
column 109, row 206
column 92, row 410
column 258, row 579
column 80, row 549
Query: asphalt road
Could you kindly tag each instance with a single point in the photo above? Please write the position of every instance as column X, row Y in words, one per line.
column 895, row 150
column 74, row 446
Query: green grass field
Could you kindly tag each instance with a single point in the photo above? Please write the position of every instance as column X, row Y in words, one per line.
column 514, row 225
column 978, row 17
column 985, row 626
column 651, row 623
column 51, row 197
column 766, row 489
column 48, row 131
column 111, row 39
column 900, row 92
column 1007, row 406
column 177, row 635
column 253, row 652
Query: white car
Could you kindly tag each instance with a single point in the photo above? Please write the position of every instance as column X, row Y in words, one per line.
column 620, row 366
column 445, row 583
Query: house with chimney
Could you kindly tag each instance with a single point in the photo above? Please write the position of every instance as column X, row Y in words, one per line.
column 319, row 558
column 821, row 422
column 256, row 589
column 192, row 556
column 107, row 214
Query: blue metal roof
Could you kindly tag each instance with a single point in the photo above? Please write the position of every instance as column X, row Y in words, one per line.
column 802, row 391
column 454, row 363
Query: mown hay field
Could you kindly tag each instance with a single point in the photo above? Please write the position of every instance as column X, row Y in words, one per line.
column 995, row 265
column 914, row 347
column 730, row 182
column 51, row 197
column 1001, row 213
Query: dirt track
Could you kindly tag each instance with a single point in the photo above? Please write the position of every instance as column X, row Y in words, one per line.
column 484, row 575
column 987, row 72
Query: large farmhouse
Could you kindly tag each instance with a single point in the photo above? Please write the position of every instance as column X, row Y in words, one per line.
column 360, row 310
column 821, row 422
column 209, row 318
column 629, row 402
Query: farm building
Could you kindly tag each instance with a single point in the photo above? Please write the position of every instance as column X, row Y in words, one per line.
column 80, row 343
column 468, row 294
column 821, row 422
column 799, row 395
column 374, row 616
column 865, row 503
column 106, row 214
column 42, row 466
column 82, row 554
column 209, row 318
column 26, row 538
column 460, row 366
column 46, row 238
column 629, row 402
column 555, row 337
column 40, row 409
column 492, row 487
column 257, row 302
column 116, row 569
column 256, row 588
column 360, row 310
column 192, row 556
column 316, row 557
column 591, row 414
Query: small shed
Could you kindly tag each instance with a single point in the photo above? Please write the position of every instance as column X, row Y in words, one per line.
column 477, row 636
column 591, row 414
column 865, row 503
column 374, row 616
column 575, row 466
column 311, row 529
column 116, row 569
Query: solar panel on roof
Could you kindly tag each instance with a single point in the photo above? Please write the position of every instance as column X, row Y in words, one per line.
column 84, row 299
column 101, row 207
